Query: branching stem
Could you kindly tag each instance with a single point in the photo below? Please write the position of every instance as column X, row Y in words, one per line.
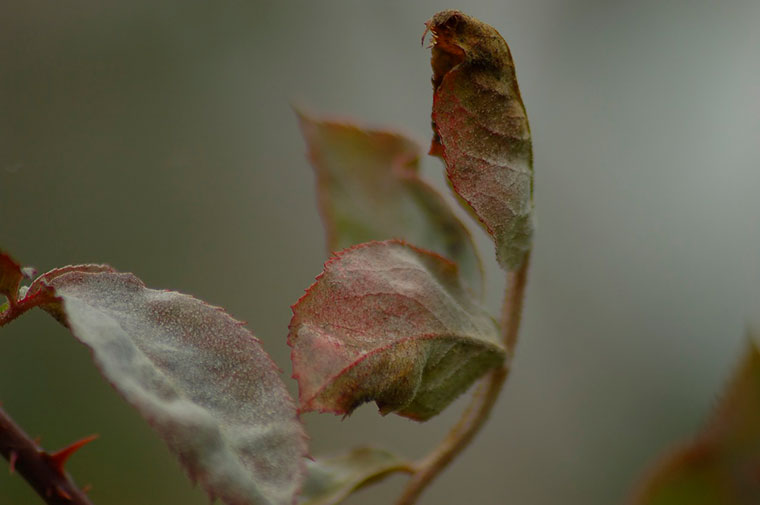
column 16, row 308
column 482, row 401
column 36, row 466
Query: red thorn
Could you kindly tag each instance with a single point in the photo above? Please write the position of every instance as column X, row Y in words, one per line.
column 37, row 440
column 59, row 458
column 86, row 488
column 12, row 457
column 62, row 493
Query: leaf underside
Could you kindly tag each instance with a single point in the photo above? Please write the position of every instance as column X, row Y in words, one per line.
column 198, row 377
column 481, row 130
column 390, row 323
column 721, row 465
column 369, row 188
column 331, row 480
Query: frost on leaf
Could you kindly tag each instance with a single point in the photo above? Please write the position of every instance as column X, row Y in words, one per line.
column 722, row 462
column 197, row 375
column 331, row 480
column 389, row 323
column 369, row 188
column 481, row 130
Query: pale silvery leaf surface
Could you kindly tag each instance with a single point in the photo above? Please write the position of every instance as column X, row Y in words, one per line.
column 198, row 377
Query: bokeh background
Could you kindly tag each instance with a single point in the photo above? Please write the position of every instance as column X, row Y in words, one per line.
column 159, row 137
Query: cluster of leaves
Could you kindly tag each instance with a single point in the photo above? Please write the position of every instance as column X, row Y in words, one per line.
column 396, row 316
column 386, row 321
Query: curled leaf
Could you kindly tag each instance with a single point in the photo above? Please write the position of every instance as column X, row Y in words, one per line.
column 369, row 188
column 722, row 463
column 197, row 375
column 481, row 130
column 390, row 323
column 331, row 480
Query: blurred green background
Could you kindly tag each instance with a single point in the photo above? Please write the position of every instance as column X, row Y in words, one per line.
column 159, row 137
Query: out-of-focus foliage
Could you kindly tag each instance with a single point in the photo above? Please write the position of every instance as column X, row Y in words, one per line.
column 369, row 188
column 721, row 465
column 330, row 480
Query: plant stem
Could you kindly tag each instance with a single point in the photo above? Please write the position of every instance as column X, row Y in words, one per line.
column 476, row 414
column 17, row 308
column 37, row 467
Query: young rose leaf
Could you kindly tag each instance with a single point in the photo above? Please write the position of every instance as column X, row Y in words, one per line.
column 43, row 294
column 392, row 323
column 10, row 277
column 331, row 480
column 369, row 188
column 481, row 130
column 197, row 375
column 722, row 463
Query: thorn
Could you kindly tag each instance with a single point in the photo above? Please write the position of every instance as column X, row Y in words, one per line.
column 37, row 440
column 12, row 457
column 62, row 493
column 60, row 457
column 86, row 488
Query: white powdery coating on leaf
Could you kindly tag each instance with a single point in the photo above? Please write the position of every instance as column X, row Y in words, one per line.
column 389, row 323
column 199, row 378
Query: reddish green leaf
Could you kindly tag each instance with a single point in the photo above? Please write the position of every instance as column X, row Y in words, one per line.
column 722, row 464
column 392, row 323
column 10, row 277
column 197, row 375
column 481, row 130
column 331, row 480
column 369, row 188
column 41, row 288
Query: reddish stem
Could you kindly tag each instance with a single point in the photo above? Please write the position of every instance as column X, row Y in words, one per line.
column 17, row 308
column 37, row 467
column 483, row 400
